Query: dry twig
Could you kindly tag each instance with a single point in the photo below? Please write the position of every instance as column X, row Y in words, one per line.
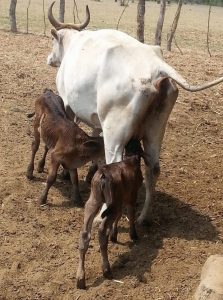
column 126, row 5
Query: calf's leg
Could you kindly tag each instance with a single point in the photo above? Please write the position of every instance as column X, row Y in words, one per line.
column 103, row 235
column 91, row 209
column 75, row 196
column 41, row 163
column 91, row 171
column 35, row 147
column 50, row 178
column 114, row 231
column 131, row 215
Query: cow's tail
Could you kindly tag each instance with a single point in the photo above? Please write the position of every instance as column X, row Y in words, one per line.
column 168, row 71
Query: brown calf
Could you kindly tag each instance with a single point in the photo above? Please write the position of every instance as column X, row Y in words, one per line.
column 70, row 146
column 114, row 184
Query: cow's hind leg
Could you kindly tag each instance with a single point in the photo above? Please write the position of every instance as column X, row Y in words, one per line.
column 91, row 209
column 155, row 126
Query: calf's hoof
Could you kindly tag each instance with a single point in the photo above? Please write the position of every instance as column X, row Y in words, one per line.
column 77, row 200
column 107, row 274
column 42, row 201
column 113, row 238
column 40, row 169
column 81, row 284
column 134, row 236
column 65, row 174
column 29, row 174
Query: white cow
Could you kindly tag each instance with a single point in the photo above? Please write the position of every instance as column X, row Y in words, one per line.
column 113, row 82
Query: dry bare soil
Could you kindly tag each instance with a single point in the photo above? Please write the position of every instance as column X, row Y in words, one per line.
column 38, row 247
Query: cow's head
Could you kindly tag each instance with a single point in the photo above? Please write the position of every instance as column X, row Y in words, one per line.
column 55, row 57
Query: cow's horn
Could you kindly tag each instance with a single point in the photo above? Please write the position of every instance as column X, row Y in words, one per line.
column 58, row 25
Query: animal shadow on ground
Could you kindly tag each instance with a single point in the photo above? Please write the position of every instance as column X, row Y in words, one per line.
column 65, row 188
column 171, row 218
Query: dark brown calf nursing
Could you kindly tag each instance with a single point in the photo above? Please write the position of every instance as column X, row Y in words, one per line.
column 116, row 184
column 70, row 146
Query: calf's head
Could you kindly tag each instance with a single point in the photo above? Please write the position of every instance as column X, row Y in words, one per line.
column 94, row 147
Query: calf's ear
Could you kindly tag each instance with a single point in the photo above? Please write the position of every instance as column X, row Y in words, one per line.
column 91, row 144
column 54, row 34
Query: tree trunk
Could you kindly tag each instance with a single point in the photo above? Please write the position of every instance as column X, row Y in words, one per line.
column 44, row 18
column 27, row 17
column 12, row 15
column 140, row 20
column 209, row 15
column 62, row 11
column 174, row 26
column 160, row 21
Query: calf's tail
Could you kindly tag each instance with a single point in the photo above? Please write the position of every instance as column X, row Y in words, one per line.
column 107, row 189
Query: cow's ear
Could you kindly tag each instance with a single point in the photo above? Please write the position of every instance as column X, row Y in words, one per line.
column 54, row 34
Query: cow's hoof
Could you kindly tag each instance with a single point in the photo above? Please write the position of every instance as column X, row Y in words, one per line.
column 81, row 284
column 144, row 221
column 79, row 203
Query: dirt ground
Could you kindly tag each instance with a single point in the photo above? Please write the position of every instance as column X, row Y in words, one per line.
column 39, row 246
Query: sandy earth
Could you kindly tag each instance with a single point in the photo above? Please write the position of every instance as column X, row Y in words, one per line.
column 39, row 246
